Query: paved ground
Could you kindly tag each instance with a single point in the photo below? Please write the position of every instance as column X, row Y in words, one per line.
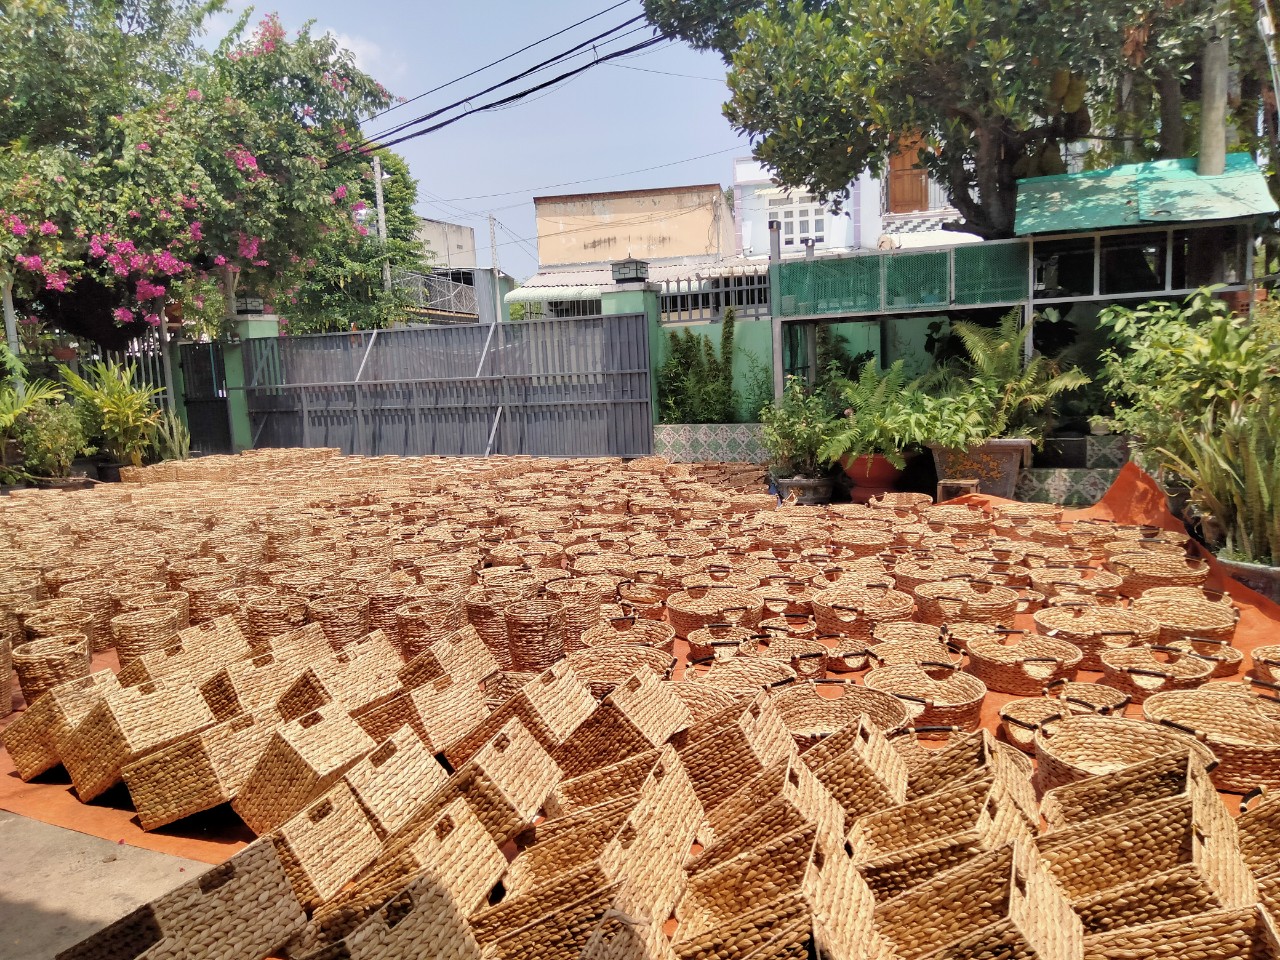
column 58, row 885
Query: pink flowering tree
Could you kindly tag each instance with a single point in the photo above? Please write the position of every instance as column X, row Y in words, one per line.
column 223, row 169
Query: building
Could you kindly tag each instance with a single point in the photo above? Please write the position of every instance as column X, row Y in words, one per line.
column 448, row 245
column 659, row 224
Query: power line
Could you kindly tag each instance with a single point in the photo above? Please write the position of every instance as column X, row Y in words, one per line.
column 513, row 98
column 610, row 176
column 509, row 56
column 667, row 73
column 646, row 218
column 507, row 82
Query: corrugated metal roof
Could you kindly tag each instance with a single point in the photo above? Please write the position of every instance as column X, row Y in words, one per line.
column 1165, row 191
column 541, row 294
column 602, row 275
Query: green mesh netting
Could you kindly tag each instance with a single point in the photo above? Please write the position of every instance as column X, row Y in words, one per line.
column 991, row 273
column 915, row 280
column 848, row 285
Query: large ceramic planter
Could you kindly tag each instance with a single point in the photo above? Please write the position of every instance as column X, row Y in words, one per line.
column 994, row 464
column 1256, row 576
column 808, row 491
column 871, row 476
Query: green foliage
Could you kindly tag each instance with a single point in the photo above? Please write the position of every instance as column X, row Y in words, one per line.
column 123, row 414
column 757, row 389
column 171, row 440
column 881, row 415
column 1177, row 364
column 344, row 290
column 51, row 436
column 829, row 88
column 17, row 397
column 1230, row 458
column 695, row 383
column 995, row 390
column 797, row 431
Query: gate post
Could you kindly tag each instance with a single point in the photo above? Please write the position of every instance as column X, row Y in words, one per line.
column 247, row 328
column 639, row 298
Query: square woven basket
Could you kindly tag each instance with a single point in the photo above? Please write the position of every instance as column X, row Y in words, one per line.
column 34, row 739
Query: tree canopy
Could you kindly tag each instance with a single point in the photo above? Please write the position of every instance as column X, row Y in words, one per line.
column 136, row 166
column 993, row 88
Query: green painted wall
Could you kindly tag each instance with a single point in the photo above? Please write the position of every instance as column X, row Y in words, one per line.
column 904, row 339
column 752, row 350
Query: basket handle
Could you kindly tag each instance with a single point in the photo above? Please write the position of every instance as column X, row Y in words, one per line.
column 929, row 729
column 1144, row 672
column 1033, row 726
column 1251, row 796
column 782, row 683
column 1268, row 685
column 1165, row 721
column 938, row 665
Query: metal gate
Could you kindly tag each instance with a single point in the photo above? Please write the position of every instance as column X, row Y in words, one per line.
column 574, row 387
column 204, row 392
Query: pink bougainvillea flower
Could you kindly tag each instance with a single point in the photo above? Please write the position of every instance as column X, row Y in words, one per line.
column 196, row 230
column 194, row 94
column 32, row 263
column 122, row 315
column 358, row 206
column 57, row 281
column 48, row 228
column 153, row 319
column 126, row 248
column 248, row 246
column 362, row 229
column 133, row 215
column 144, row 147
column 219, row 261
column 340, row 193
column 344, row 146
column 166, row 215
column 261, row 263
column 147, row 290
column 117, row 264
column 17, row 226
column 166, row 262
column 29, row 320
column 96, row 249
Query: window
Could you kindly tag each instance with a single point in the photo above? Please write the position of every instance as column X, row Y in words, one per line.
column 788, row 214
column 788, row 228
column 817, row 225
column 804, row 228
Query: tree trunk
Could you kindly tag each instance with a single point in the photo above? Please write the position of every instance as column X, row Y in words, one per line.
column 1172, row 127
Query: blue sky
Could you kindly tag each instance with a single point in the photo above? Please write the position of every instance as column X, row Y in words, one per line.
column 607, row 121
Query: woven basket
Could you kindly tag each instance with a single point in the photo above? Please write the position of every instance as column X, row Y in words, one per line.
column 740, row 675
column 855, row 612
column 485, row 608
column 175, row 599
column 1185, row 617
column 1095, row 629
column 716, row 639
column 896, row 653
column 1146, row 670
column 811, row 716
column 1078, row 697
column 270, row 617
column 144, row 631
column 629, row 630
column 1024, row 667
column 1086, row 746
column 33, row 738
column 911, row 573
column 535, row 633
column 1235, row 934
column 694, row 608
column 48, row 661
column 604, row 667
column 1163, row 777
column 1142, row 571
column 947, row 601
column 344, row 618
column 1245, row 740
column 950, row 699
column 1266, row 663
column 1052, row 580
column 1225, row 658
column 95, row 597
column 1020, row 719
column 702, row 700
column 51, row 623
column 807, row 656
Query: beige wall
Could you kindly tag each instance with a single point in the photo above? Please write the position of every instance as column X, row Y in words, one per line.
column 448, row 244
column 647, row 224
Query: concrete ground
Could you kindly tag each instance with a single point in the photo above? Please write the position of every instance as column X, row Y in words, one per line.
column 59, row 886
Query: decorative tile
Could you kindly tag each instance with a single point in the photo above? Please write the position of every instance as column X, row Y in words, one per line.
column 1068, row 487
column 709, row 442
column 1107, row 452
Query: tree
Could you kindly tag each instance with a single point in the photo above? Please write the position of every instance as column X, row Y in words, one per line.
column 829, row 88
column 344, row 289
column 175, row 170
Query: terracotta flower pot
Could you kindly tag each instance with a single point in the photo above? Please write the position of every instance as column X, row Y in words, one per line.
column 994, row 464
column 872, row 475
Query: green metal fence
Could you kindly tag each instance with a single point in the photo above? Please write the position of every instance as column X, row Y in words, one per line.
column 869, row 283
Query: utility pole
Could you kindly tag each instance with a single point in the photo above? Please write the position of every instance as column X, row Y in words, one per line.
column 493, row 242
column 382, row 221
column 1213, row 107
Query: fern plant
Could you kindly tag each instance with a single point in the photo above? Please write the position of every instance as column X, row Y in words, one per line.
column 995, row 390
column 881, row 416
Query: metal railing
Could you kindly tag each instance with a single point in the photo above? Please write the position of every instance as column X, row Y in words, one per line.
column 431, row 292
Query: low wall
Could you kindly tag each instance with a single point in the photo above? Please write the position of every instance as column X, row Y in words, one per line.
column 709, row 442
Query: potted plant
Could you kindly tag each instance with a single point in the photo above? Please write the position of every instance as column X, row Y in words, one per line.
column 794, row 433
column 16, row 398
column 878, row 429
column 51, row 436
column 992, row 405
column 1231, row 463
column 120, row 412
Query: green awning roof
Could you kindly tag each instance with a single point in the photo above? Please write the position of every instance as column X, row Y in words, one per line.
column 1166, row 191
column 546, row 294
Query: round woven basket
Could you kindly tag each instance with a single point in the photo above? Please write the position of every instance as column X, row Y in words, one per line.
column 423, row 620
column 343, row 617
column 49, row 661
column 1243, row 738
column 936, row 695
column 95, row 597
column 1142, row 571
column 1021, row 719
column 139, row 632
column 947, row 601
column 900, row 501
column 485, row 608
column 909, row 574
column 271, row 616
column 1225, row 658
column 739, row 675
column 806, row 654
column 897, row 653
column 1085, row 746
column 1194, row 616
column 630, row 630
column 855, row 612
column 174, row 599
column 1022, row 667
column 1146, row 670
column 1094, row 629
column 51, row 623
column 535, row 633
column 606, row 666
column 1266, row 663
column 693, row 608
column 1079, row 697
column 716, row 640
column 811, row 714
column 1052, row 581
